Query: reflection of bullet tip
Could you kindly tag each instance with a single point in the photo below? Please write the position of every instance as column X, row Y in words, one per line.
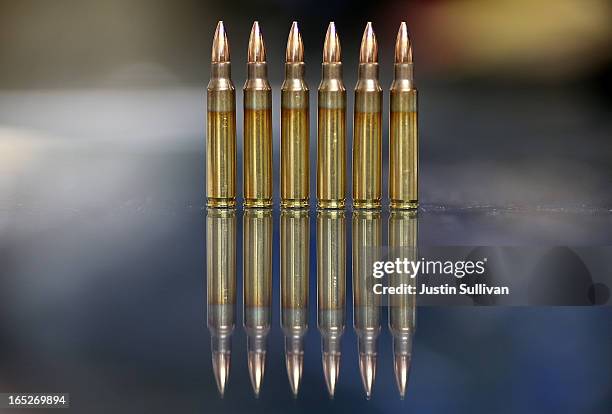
column 367, row 368
column 221, row 367
column 256, row 363
column 294, row 362
column 401, row 367
column 331, row 369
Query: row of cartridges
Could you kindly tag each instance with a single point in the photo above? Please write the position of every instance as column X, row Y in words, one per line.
column 295, row 127
column 258, row 243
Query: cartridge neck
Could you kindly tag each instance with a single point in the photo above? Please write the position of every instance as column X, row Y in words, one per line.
column 220, row 83
column 331, row 71
column 295, row 70
column 220, row 70
column 257, row 70
column 368, row 71
column 403, row 78
column 294, row 81
column 332, row 86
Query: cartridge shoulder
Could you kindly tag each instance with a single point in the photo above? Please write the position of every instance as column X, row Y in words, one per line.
column 220, row 84
column 368, row 85
column 332, row 85
column 294, row 85
column 257, row 84
column 402, row 85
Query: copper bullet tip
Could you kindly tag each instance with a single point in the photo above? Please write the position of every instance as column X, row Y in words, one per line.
column 257, row 50
column 295, row 46
column 331, row 46
column 369, row 48
column 220, row 48
column 403, row 47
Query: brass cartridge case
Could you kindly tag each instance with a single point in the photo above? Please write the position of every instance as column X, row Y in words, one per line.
column 403, row 136
column 295, row 127
column 221, row 127
column 295, row 132
column 257, row 149
column 366, row 304
column 257, row 277
column 331, row 128
column 331, row 290
column 295, row 271
column 367, row 128
column 221, row 288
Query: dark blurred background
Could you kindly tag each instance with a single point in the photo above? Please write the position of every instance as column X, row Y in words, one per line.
column 102, row 246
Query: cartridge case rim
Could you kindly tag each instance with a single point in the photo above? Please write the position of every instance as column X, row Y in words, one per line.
column 404, row 205
column 332, row 204
column 257, row 203
column 295, row 203
column 221, row 202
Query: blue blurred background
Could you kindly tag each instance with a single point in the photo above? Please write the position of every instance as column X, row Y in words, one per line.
column 102, row 244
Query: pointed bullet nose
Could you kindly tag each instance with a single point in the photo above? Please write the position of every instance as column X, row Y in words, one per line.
column 257, row 364
column 369, row 48
column 331, row 370
column 403, row 48
column 220, row 49
column 294, row 362
column 257, row 51
column 221, row 368
column 367, row 368
column 331, row 46
column 295, row 45
column 401, row 367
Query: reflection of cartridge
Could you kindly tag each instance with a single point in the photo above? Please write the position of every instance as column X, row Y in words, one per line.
column 331, row 285
column 295, row 128
column 294, row 242
column 403, row 140
column 367, row 127
column 331, row 145
column 221, row 288
column 257, row 279
column 257, row 125
column 366, row 304
column 221, row 127
column 403, row 230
